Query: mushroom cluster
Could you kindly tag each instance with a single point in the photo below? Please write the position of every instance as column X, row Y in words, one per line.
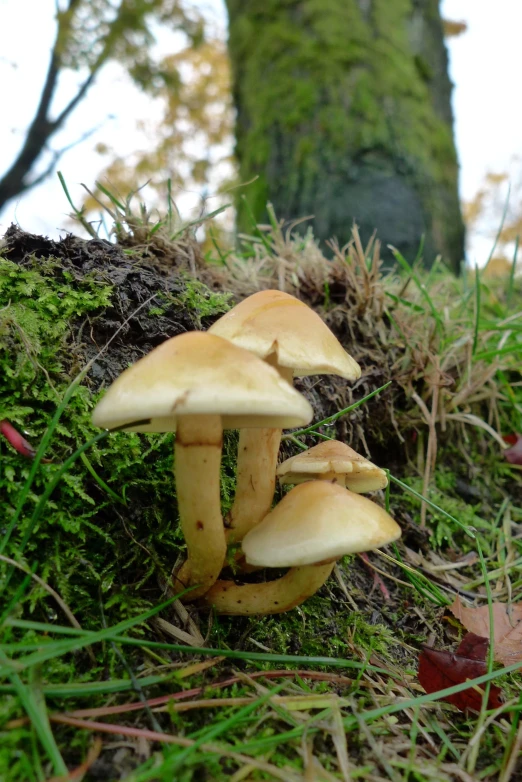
column 238, row 375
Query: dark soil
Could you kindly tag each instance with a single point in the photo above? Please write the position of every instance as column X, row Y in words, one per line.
column 141, row 280
column 137, row 282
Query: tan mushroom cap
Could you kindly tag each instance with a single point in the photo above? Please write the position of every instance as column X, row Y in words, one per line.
column 333, row 460
column 317, row 522
column 198, row 373
column 274, row 323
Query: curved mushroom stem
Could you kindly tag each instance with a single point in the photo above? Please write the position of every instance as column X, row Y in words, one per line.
column 197, row 465
column 256, row 465
column 272, row 597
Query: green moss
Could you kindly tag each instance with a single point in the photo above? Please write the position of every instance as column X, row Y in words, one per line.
column 36, row 308
column 201, row 301
column 106, row 558
column 324, row 625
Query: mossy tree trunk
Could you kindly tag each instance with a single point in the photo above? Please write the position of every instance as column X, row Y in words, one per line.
column 343, row 112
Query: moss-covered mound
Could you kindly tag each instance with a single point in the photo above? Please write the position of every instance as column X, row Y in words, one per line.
column 100, row 527
column 86, row 307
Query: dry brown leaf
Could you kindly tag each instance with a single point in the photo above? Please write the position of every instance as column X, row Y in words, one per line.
column 507, row 627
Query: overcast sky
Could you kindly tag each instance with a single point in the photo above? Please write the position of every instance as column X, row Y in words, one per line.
column 484, row 66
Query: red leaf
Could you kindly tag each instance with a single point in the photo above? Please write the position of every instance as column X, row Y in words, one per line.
column 511, row 439
column 473, row 646
column 439, row 669
column 513, row 454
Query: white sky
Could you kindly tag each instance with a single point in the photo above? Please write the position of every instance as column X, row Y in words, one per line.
column 484, row 66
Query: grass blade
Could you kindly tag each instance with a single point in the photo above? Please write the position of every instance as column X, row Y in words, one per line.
column 34, row 705
column 221, row 727
column 468, row 530
column 420, row 286
column 477, row 311
column 287, row 659
column 84, row 639
column 511, row 283
column 332, row 418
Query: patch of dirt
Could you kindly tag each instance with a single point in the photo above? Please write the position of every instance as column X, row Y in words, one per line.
column 138, row 283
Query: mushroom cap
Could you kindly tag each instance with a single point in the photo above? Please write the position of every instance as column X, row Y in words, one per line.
column 275, row 323
column 197, row 373
column 317, row 522
column 333, row 459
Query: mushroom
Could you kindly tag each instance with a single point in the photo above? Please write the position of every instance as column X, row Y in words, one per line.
column 333, row 461
column 314, row 525
column 196, row 384
column 292, row 337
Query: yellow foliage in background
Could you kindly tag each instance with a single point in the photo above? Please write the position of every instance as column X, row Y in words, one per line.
column 496, row 211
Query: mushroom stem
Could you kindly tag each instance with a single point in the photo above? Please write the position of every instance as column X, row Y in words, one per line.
column 271, row 597
column 197, row 465
column 256, row 467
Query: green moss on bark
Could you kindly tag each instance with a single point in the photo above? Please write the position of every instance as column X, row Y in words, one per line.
column 343, row 111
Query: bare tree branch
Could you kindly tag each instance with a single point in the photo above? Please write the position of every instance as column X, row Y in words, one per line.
column 17, row 179
column 80, row 95
column 42, row 128
column 58, row 153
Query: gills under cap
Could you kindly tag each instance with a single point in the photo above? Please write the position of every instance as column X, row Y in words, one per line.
column 274, row 323
column 333, row 460
column 316, row 522
column 198, row 373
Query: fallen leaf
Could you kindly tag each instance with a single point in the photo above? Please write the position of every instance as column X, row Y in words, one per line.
column 473, row 646
column 439, row 669
column 513, row 454
column 507, row 627
column 511, row 439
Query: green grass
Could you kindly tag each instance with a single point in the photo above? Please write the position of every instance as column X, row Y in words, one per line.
column 285, row 712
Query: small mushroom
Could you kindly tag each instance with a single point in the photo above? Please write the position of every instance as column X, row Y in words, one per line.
column 336, row 462
column 314, row 525
column 196, row 384
column 290, row 336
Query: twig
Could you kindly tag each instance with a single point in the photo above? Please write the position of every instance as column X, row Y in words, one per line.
column 63, row 605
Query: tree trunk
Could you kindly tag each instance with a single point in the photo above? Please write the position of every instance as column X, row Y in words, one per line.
column 343, row 112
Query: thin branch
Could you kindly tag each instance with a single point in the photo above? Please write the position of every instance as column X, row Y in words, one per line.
column 63, row 605
column 58, row 122
column 41, row 128
column 58, row 153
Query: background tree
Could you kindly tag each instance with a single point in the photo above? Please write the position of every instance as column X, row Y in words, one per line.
column 191, row 144
column 351, row 142
column 495, row 213
column 343, row 112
